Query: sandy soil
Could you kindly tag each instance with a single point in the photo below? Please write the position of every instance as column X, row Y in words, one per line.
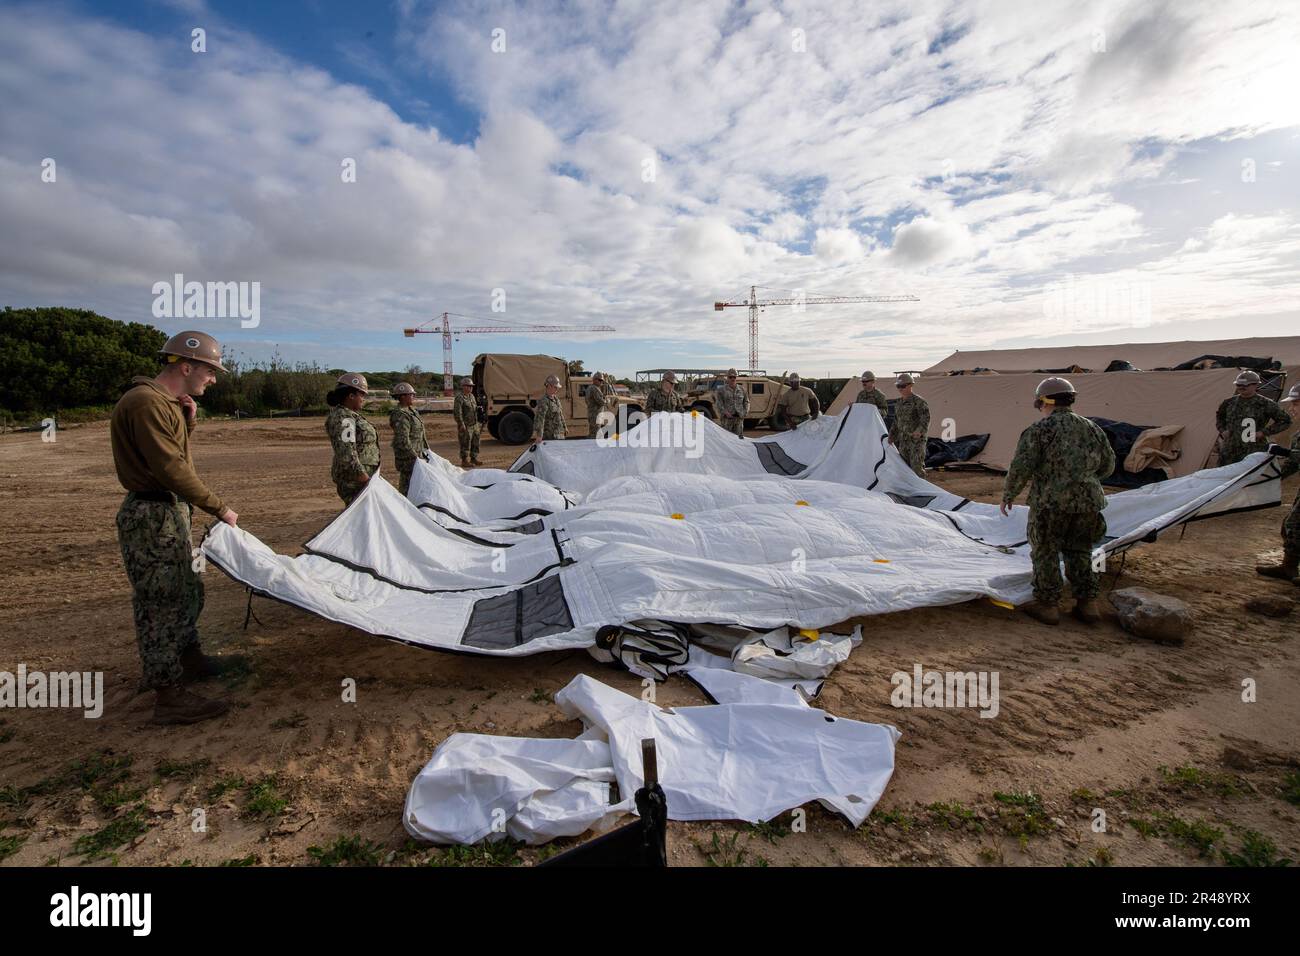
column 1157, row 737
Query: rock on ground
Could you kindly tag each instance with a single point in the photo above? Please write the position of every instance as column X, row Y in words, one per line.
column 1157, row 617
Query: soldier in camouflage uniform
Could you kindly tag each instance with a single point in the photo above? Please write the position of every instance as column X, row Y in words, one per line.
column 1289, row 569
column 150, row 436
column 911, row 423
column 600, row 398
column 733, row 405
column 1247, row 413
column 665, row 397
column 355, row 441
column 465, row 412
column 871, row 395
column 409, row 439
column 1065, row 456
column 799, row 403
column 548, row 417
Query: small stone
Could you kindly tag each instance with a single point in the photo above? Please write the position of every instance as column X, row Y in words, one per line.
column 1157, row 617
column 1271, row 605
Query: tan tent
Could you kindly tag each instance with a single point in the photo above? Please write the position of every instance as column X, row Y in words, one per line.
column 1144, row 355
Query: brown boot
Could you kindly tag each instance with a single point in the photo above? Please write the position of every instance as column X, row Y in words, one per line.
column 475, row 462
column 1043, row 613
column 197, row 666
column 1288, row 570
column 1087, row 611
column 176, row 705
column 464, row 461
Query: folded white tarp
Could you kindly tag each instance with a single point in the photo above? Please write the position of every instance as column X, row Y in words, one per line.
column 749, row 760
column 855, row 533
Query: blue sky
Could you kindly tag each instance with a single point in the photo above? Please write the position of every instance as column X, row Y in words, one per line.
column 628, row 164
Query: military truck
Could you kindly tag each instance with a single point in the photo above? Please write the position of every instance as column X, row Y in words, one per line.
column 508, row 387
column 701, row 396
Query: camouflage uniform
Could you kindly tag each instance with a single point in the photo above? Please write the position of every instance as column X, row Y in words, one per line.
column 911, row 423
column 1232, row 418
column 1291, row 525
column 1065, row 456
column 352, row 458
column 409, row 442
column 873, row 397
column 733, row 406
column 548, row 420
column 465, row 411
column 800, row 404
column 660, row 401
column 600, row 398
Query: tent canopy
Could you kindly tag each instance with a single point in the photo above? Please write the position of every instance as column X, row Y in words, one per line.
column 1145, row 355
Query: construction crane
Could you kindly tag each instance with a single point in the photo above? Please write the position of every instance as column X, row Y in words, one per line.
column 447, row 332
column 753, row 304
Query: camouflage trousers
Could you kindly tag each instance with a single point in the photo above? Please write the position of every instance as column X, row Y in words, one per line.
column 734, row 425
column 1291, row 529
column 405, row 466
column 913, row 452
column 794, row 421
column 348, row 490
column 1054, row 535
column 468, row 438
column 166, row 593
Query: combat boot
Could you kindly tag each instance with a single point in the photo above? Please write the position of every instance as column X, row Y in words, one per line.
column 1043, row 613
column 475, row 462
column 1288, row 570
column 176, row 705
column 464, row 461
column 1087, row 611
column 198, row 666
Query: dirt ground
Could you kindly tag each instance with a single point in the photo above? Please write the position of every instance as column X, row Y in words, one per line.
column 1156, row 737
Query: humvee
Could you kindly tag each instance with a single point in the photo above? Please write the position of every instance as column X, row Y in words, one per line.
column 701, row 396
column 509, row 386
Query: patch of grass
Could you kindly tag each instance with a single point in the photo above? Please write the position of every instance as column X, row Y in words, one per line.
column 1022, row 814
column 1192, row 779
column 1145, row 828
column 724, row 852
column 1083, row 795
column 251, row 860
column 499, row 853
column 119, row 796
column 11, row 796
column 101, row 843
column 292, row 722
column 992, row 855
column 347, row 851
column 1197, row 834
column 225, row 785
column 1291, row 788
column 184, row 770
column 894, row 818
column 1103, row 857
column 1256, row 850
column 771, row 830
column 539, row 696
column 953, row 816
column 9, row 844
column 265, row 799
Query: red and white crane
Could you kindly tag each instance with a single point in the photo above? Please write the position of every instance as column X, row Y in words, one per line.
column 753, row 303
column 448, row 332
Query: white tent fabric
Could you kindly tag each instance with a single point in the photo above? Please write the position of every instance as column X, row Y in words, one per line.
column 729, row 537
column 715, row 763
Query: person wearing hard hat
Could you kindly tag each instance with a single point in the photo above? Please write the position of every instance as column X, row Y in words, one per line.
column 911, row 424
column 409, row 438
column 150, row 436
column 1064, row 456
column 1247, row 419
column 871, row 395
column 798, row 403
column 355, row 441
column 1289, row 569
column 548, row 417
column 665, row 397
column 733, row 405
column 465, row 411
column 600, row 398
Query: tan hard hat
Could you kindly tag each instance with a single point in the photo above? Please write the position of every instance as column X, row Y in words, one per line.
column 1053, row 386
column 195, row 345
column 466, row 380
column 670, row 376
column 553, row 380
column 904, row 379
column 868, row 376
column 793, row 377
column 354, row 380
column 1293, row 395
column 597, row 377
column 1246, row 378
column 731, row 373
column 403, row 388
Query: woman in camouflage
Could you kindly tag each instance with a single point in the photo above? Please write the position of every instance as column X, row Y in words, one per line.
column 355, row 441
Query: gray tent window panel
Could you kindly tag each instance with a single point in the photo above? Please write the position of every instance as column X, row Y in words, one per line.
column 525, row 614
column 916, row 501
column 525, row 469
column 772, row 457
column 532, row 527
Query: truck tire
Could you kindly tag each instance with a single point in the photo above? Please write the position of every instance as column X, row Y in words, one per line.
column 515, row 428
column 704, row 408
column 492, row 427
